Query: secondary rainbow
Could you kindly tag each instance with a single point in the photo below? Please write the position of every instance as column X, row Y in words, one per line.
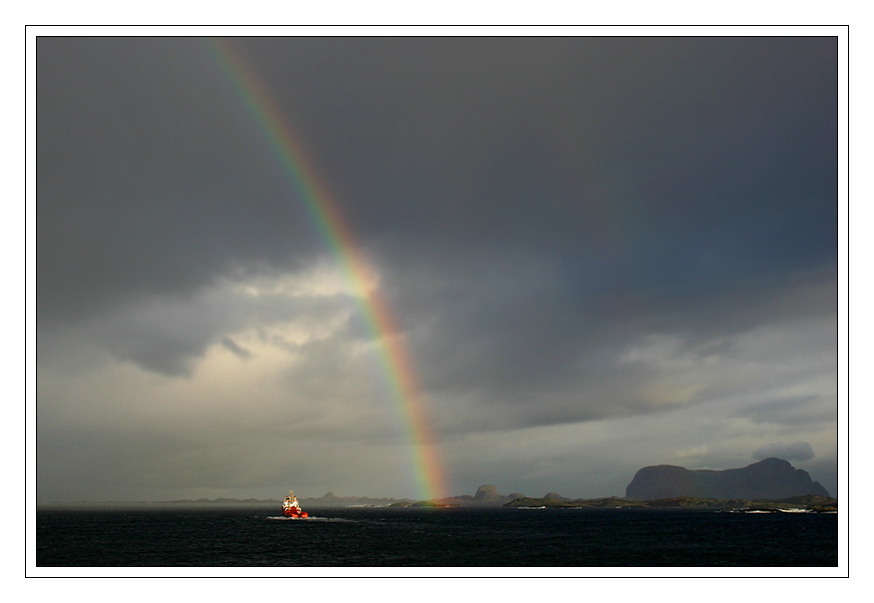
column 396, row 362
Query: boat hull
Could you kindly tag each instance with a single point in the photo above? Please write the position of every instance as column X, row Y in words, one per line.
column 295, row 513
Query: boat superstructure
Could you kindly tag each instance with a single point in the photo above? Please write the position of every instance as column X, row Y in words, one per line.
column 291, row 508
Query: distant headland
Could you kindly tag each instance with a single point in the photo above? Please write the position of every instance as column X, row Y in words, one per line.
column 768, row 479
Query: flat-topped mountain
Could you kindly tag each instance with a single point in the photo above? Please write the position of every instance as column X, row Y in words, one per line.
column 768, row 479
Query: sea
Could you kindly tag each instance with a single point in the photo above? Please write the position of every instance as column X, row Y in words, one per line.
column 387, row 537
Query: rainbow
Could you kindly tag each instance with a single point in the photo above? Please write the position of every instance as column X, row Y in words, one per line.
column 395, row 359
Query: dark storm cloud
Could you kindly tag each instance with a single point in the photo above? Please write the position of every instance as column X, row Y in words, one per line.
column 549, row 142
column 555, row 188
column 569, row 231
column 146, row 184
column 682, row 162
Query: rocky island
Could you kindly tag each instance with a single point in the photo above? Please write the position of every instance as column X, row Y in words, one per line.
column 768, row 479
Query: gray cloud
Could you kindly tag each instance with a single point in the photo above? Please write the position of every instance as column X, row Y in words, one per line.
column 235, row 348
column 797, row 451
column 794, row 411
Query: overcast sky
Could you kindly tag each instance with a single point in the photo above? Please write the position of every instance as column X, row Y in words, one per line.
column 602, row 254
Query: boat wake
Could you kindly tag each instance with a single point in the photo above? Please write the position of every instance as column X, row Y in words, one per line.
column 308, row 519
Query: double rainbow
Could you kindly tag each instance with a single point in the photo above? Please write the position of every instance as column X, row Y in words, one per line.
column 395, row 359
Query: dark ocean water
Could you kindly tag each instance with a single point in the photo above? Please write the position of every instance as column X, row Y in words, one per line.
column 253, row 537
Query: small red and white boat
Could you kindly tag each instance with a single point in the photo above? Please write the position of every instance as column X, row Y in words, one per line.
column 291, row 508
